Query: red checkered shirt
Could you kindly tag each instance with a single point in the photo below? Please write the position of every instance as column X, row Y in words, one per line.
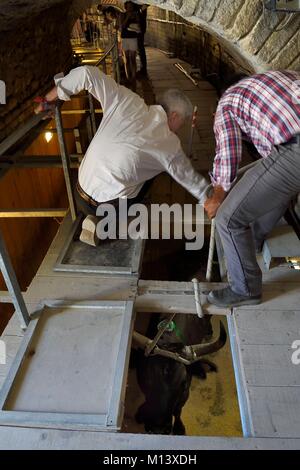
column 265, row 109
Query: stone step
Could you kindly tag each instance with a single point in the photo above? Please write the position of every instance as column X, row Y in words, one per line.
column 282, row 242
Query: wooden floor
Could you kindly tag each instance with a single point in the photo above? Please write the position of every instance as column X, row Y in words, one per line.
column 261, row 336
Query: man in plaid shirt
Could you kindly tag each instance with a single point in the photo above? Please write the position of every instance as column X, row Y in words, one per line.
column 265, row 109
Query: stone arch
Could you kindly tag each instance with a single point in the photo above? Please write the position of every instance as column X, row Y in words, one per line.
column 243, row 27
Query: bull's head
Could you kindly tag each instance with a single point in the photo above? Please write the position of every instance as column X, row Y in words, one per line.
column 165, row 372
column 165, row 384
column 187, row 354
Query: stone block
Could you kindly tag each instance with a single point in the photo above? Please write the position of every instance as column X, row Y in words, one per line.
column 246, row 19
column 277, row 41
column 227, row 12
column 288, row 54
column 206, row 9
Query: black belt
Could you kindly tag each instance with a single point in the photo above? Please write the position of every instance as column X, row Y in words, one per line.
column 92, row 201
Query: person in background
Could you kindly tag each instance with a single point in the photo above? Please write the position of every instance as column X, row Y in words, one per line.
column 141, row 40
column 130, row 31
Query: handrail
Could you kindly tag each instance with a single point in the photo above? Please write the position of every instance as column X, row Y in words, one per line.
column 106, row 53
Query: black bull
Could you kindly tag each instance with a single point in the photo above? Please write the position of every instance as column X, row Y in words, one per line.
column 165, row 381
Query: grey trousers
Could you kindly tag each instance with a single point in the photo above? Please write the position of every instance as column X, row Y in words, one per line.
column 252, row 209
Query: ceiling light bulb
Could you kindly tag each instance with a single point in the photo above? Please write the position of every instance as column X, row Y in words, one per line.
column 48, row 136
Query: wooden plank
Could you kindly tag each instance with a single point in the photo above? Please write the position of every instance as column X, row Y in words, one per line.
column 282, row 242
column 278, row 296
column 161, row 296
column 281, row 274
column 275, row 411
column 13, row 438
column 270, row 365
column 81, row 288
column 267, row 327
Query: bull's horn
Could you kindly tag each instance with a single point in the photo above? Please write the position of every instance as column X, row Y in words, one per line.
column 208, row 348
column 141, row 340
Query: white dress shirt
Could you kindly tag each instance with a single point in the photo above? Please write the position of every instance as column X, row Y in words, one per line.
column 132, row 144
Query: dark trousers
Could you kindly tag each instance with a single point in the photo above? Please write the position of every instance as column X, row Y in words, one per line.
column 142, row 52
column 88, row 209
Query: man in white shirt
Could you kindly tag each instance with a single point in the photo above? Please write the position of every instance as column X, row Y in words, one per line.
column 134, row 142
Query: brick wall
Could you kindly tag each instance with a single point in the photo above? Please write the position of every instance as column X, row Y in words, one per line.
column 30, row 56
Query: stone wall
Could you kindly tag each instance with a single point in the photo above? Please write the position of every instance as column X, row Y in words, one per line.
column 171, row 33
column 245, row 30
column 30, row 55
column 34, row 42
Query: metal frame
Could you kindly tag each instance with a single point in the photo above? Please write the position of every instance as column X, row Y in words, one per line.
column 111, row 270
column 13, row 285
column 65, row 160
column 100, row 422
column 245, row 412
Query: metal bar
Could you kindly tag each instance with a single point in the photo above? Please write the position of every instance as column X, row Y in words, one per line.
column 211, row 250
column 105, row 54
column 13, row 285
column 14, row 213
column 115, row 61
column 104, row 67
column 193, row 125
column 150, row 346
column 20, row 132
column 197, row 298
column 92, row 114
column 65, row 161
column 240, row 172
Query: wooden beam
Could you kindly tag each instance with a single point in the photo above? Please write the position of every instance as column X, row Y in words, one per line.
column 19, row 213
column 12, row 438
column 165, row 297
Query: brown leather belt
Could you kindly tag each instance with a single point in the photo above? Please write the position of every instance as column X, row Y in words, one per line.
column 86, row 197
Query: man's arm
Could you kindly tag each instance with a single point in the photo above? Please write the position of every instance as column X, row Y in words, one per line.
column 184, row 173
column 228, row 150
column 228, row 156
column 102, row 87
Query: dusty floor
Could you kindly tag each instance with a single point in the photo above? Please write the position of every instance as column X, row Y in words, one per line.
column 212, row 408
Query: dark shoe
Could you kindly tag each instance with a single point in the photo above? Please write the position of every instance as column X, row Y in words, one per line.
column 226, row 298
